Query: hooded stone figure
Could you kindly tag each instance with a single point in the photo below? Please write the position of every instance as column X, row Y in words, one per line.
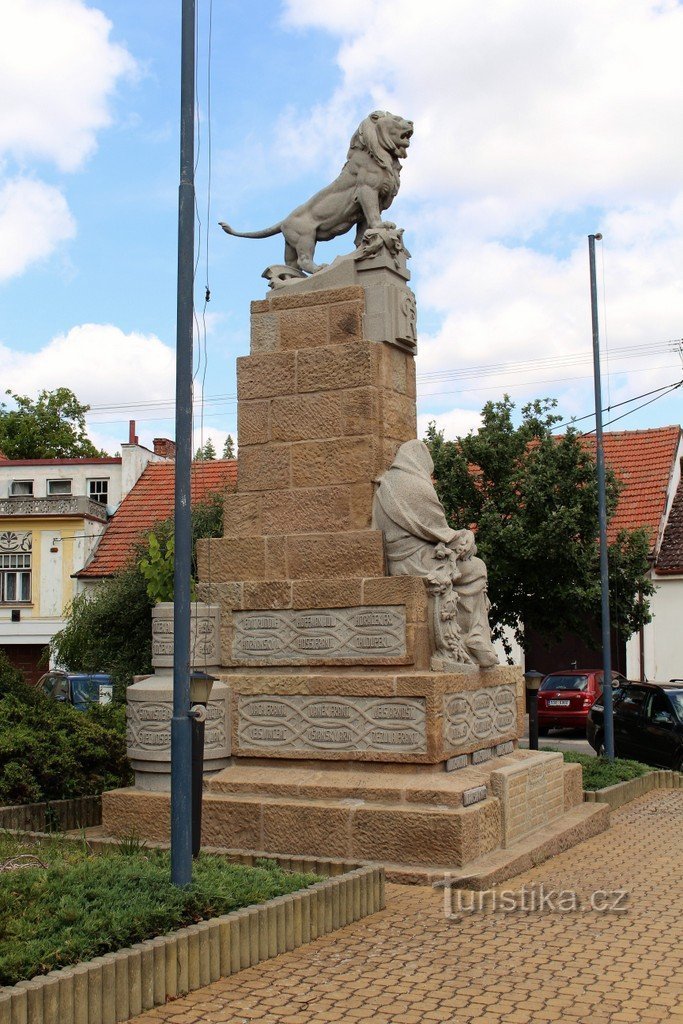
column 419, row 542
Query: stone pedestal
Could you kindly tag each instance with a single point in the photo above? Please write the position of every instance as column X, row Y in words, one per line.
column 149, row 701
column 345, row 741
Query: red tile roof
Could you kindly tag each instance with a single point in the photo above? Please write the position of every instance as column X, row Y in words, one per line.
column 643, row 460
column 149, row 502
column 670, row 557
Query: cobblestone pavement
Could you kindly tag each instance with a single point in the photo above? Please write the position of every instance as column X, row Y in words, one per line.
column 409, row 964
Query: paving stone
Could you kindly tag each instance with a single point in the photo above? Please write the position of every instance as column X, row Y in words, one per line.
column 409, row 965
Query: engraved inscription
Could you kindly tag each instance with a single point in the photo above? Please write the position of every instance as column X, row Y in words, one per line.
column 300, row 722
column 298, row 637
column 483, row 716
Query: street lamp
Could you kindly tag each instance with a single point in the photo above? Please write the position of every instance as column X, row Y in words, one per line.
column 532, row 680
column 200, row 692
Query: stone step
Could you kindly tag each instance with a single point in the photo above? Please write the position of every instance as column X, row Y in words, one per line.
column 428, row 789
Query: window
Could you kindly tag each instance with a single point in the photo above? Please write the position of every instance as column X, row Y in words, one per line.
column 21, row 488
column 98, row 490
column 15, row 576
column 59, row 487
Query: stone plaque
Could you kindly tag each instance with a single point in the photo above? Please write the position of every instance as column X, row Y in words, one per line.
column 299, row 722
column 473, row 796
column 482, row 716
column 148, row 729
column 298, row 637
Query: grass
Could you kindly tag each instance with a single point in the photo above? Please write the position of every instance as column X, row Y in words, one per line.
column 80, row 905
column 598, row 772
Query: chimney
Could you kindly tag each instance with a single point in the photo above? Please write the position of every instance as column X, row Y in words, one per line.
column 132, row 436
column 165, row 447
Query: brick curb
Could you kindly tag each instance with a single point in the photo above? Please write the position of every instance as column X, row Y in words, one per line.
column 623, row 792
column 119, row 986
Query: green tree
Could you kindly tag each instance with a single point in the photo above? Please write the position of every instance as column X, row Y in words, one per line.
column 111, row 630
column 51, row 427
column 206, row 452
column 533, row 499
column 229, row 448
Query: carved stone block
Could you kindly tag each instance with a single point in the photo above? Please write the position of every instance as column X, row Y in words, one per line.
column 299, row 636
column 298, row 722
column 484, row 715
column 205, row 649
column 149, row 709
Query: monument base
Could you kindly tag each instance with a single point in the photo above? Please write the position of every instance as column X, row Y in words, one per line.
column 418, row 824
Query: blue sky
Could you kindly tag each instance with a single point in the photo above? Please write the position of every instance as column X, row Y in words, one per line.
column 535, row 124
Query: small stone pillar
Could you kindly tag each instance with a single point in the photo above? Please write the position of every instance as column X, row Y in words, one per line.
column 150, row 700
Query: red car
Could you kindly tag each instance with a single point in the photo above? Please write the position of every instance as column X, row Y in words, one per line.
column 565, row 698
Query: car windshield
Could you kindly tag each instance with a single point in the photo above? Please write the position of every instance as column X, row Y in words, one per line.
column 565, row 683
column 676, row 698
column 84, row 689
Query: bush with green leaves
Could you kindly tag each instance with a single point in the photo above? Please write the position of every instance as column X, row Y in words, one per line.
column 81, row 906
column 598, row 772
column 50, row 751
column 111, row 630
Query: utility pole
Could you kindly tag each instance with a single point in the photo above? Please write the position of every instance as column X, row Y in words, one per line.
column 602, row 516
column 181, row 723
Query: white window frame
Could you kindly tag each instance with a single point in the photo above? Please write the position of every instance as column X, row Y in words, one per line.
column 99, row 480
column 21, row 494
column 15, row 565
column 59, row 494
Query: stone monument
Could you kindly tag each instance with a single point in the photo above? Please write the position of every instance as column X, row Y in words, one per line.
column 370, row 718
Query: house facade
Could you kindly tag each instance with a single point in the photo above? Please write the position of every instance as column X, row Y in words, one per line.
column 53, row 513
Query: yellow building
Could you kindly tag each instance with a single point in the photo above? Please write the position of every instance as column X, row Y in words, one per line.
column 52, row 515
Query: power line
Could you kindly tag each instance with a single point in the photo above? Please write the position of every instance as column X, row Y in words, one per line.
column 617, row 405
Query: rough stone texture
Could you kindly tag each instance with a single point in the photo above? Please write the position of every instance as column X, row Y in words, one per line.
column 324, row 463
column 242, row 515
column 531, row 795
column 265, row 376
column 325, row 555
column 307, row 417
column 253, row 424
column 338, row 366
column 304, row 328
column 264, row 467
column 573, row 786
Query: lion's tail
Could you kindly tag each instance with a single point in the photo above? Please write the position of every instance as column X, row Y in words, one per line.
column 266, row 233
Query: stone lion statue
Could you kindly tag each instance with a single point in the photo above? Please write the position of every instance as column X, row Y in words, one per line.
column 367, row 185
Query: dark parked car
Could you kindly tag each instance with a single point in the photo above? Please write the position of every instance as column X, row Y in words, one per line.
column 648, row 724
column 565, row 698
column 77, row 688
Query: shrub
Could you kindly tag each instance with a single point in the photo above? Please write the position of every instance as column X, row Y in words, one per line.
column 598, row 772
column 83, row 906
column 50, row 751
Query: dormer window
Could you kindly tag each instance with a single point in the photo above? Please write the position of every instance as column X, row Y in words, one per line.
column 21, row 489
column 60, row 487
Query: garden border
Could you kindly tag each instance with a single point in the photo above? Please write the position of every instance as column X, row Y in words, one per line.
column 55, row 815
column 121, row 985
column 623, row 792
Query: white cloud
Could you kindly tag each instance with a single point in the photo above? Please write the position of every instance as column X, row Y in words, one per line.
column 34, row 220
column 101, row 364
column 454, row 422
column 59, row 69
column 535, row 123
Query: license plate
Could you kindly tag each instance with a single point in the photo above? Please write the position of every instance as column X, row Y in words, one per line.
column 559, row 703
column 106, row 692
